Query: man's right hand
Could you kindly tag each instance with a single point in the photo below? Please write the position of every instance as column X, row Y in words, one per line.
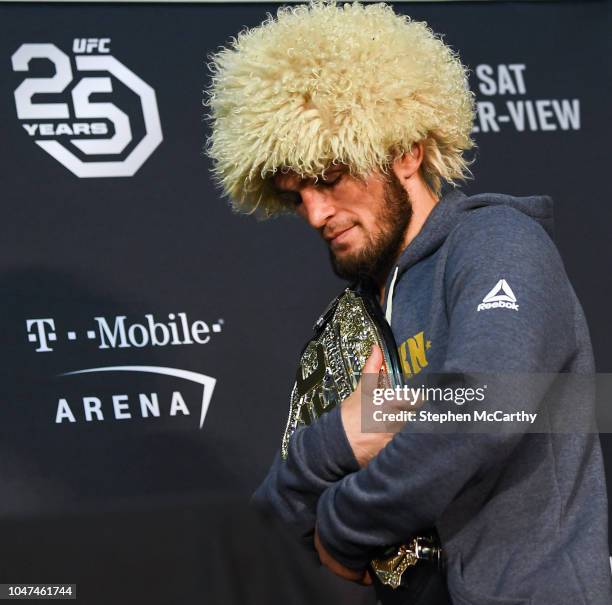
column 365, row 445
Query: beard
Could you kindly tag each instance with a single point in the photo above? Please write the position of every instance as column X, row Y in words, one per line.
column 376, row 258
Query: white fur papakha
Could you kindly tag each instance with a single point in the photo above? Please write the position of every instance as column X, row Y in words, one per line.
column 325, row 84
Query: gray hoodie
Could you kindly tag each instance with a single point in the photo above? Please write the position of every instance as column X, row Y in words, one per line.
column 522, row 517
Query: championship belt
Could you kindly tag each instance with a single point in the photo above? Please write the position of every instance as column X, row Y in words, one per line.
column 329, row 371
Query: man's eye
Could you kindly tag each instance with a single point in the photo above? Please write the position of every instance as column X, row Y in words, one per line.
column 329, row 182
column 291, row 198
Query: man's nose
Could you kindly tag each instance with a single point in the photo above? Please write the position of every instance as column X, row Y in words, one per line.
column 317, row 208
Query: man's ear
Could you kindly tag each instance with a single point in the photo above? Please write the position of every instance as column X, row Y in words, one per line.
column 407, row 165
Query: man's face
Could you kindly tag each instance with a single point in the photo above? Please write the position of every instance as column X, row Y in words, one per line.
column 363, row 222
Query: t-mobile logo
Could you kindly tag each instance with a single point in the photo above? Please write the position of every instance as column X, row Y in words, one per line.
column 41, row 331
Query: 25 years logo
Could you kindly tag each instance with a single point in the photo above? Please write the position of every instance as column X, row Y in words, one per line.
column 77, row 128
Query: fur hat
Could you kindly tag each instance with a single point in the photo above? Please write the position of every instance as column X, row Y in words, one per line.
column 325, row 84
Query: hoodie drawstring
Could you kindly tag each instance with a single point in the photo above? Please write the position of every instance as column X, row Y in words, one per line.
column 389, row 308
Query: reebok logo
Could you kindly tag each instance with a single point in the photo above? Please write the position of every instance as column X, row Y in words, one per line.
column 501, row 296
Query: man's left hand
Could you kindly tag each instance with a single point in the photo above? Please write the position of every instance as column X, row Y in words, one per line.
column 361, row 577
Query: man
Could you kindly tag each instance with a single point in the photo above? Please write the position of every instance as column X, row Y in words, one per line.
column 354, row 118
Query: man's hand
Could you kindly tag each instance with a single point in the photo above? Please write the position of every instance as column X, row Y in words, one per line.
column 361, row 577
column 365, row 445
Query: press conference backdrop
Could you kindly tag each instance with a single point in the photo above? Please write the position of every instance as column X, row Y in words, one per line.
column 149, row 334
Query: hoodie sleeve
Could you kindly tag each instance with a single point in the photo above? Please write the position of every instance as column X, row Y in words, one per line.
column 416, row 476
column 318, row 456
